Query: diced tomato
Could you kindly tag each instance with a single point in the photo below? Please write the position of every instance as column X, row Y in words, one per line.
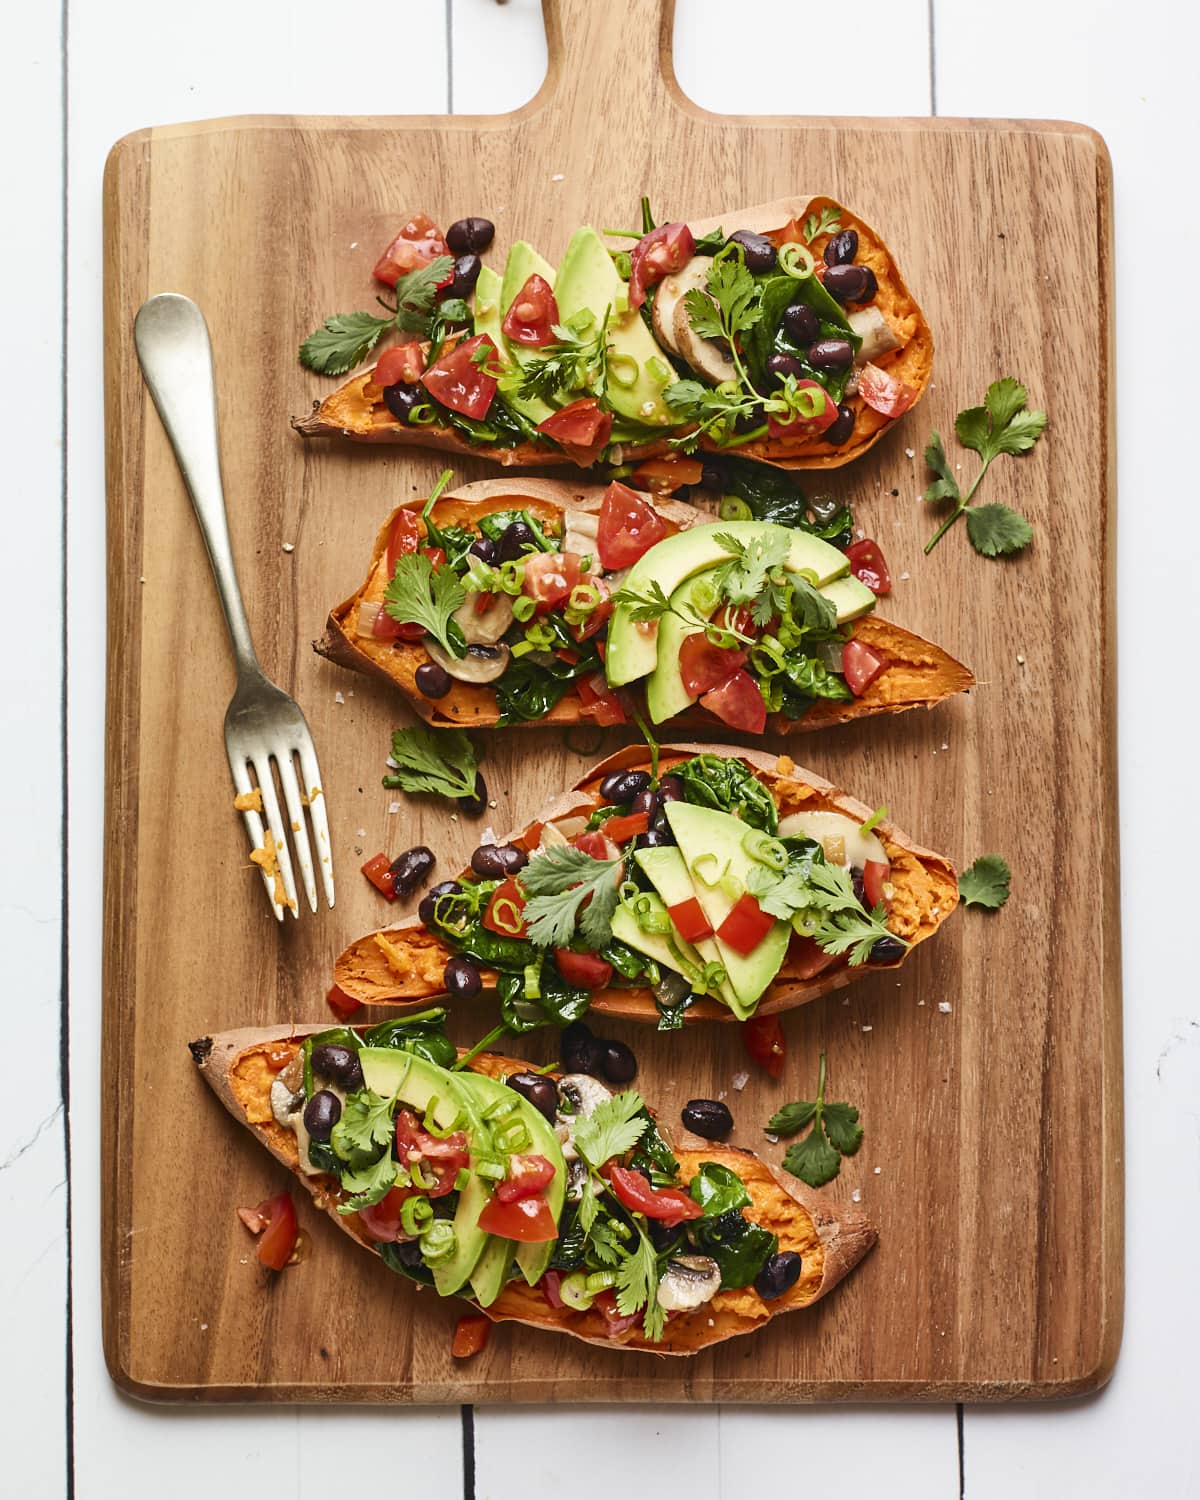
column 341, row 1004
column 669, row 1205
column 441, row 1158
column 581, row 429
column 735, row 617
column 860, row 666
column 746, row 925
column 806, row 427
column 762, row 1037
column 738, row 703
column 869, row 566
column 403, row 538
column 382, row 1220
column 884, row 393
column 598, row 845
column 402, row 362
column 378, row 870
column 598, row 618
column 526, row 1175
column 279, row 1237
column 550, row 577
column 436, row 556
column 806, row 958
column 506, row 910
column 629, row 526
column 875, row 877
column 528, row 1220
column 615, row 1321
column 621, row 830
column 419, row 242
column 601, row 703
column 583, row 970
column 461, row 380
column 664, row 476
column 387, row 629
column 690, row 922
column 665, row 249
column 470, row 1335
column 704, row 666
column 531, row 318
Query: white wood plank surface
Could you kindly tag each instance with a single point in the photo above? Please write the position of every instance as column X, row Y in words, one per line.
column 1129, row 74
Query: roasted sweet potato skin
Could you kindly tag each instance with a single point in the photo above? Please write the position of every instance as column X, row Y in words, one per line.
column 355, row 410
column 240, row 1066
column 918, row 675
column 402, row 965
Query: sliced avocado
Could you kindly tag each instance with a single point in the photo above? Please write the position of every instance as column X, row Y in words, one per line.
column 667, row 873
column 655, row 945
column 850, row 597
column 491, row 1270
column 632, row 649
column 488, row 1092
column 452, row 1274
column 523, row 262
column 712, row 840
column 638, row 370
column 488, row 317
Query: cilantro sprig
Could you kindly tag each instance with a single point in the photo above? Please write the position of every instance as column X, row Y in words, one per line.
column 442, row 763
column 828, row 221
column 346, row 339
column 835, row 1133
column 819, row 900
column 1003, row 424
column 986, row 883
column 420, row 594
column 566, row 886
column 571, row 363
column 614, row 1127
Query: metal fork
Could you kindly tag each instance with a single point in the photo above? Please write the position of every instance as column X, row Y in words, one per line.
column 262, row 723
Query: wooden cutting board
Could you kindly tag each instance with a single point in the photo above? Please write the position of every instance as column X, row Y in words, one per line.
column 988, row 1073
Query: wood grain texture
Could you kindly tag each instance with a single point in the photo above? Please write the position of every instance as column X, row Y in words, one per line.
column 992, row 1161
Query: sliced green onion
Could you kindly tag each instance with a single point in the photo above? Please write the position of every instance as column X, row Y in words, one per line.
column 714, row 977
column 660, row 369
column 499, row 1107
column 763, row 848
column 797, row 261
column 436, row 1130
column 493, row 1170
column 582, row 321
column 874, row 820
column 438, row 1241
column 541, row 637
column 523, row 609
column 460, row 1182
column 422, row 416
column 574, row 1293
column 600, row 1281
column 419, row 1178
column 705, row 597
column 703, row 864
column 533, row 979
column 415, row 1213
column 522, row 648
column 514, row 1137
column 650, row 913
column 623, row 369
column 734, row 508
column 732, row 887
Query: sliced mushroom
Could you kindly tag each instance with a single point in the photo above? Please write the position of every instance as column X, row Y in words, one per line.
column 670, row 294
column 582, row 527
column 673, row 324
column 877, row 334
column 484, row 628
column 551, row 838
column 481, row 663
column 688, row 1282
column 285, row 1102
column 582, row 1092
column 709, row 358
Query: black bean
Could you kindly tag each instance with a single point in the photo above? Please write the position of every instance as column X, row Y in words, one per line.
column 401, row 398
column 461, row 978
column 466, row 274
column 781, row 366
column 321, row 1114
column 444, row 888
column 645, row 802
column 707, row 1117
column 433, row 681
column 339, row 1064
column 495, row 861
column 847, row 283
column 842, row 248
column 476, row 805
column 618, row 1063
column 872, row 288
column 670, row 789
column 801, row 323
column 660, row 823
column 579, row 1049
column 541, row 1092
column 484, row 549
column 831, row 354
column 470, row 234
column 887, row 950
column 654, row 839
column 840, row 429
column 859, row 885
column 623, row 786
column 516, row 540
column 761, row 254
column 411, row 869
column 778, row 1275
column 409, row 1253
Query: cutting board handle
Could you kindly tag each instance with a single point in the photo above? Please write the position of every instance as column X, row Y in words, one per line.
column 606, row 58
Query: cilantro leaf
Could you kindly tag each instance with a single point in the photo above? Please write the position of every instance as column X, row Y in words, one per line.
column 416, row 293
column 342, row 342
column 971, row 428
column 606, row 1245
column 424, row 595
column 569, row 364
column 369, row 1184
column 614, row 1127
column 835, row 1133
column 441, row 762
column 559, row 881
column 589, row 1208
column 1021, row 433
column 636, row 1286
column 736, row 293
column 365, row 1124
column 703, row 314
column 986, row 883
column 945, row 486
column 651, row 605
column 995, row 530
column 1004, row 399
column 827, row 222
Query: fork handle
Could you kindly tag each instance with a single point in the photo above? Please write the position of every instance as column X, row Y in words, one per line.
column 175, row 354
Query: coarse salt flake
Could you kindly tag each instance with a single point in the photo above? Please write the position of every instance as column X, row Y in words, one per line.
column 856, row 1196
column 337, row 697
column 740, row 1080
column 868, row 1028
column 393, row 807
column 360, row 833
column 908, row 453
column 774, row 1139
column 878, row 1170
column 557, row 177
column 289, row 547
column 1020, row 660
column 945, row 1007
column 904, row 577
